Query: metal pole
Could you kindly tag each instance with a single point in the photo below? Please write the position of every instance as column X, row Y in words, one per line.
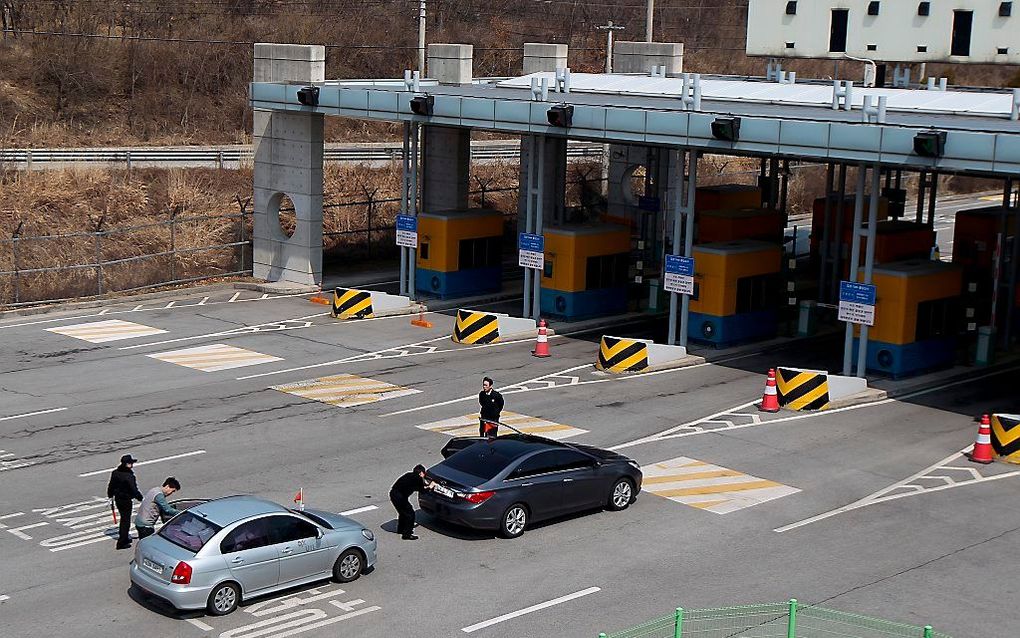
column 536, row 298
column 791, row 625
column 649, row 18
column 826, row 219
column 678, row 623
column 14, row 259
column 837, row 243
column 421, row 37
column 855, row 261
column 692, row 185
column 921, row 180
column 869, row 262
column 678, row 212
column 932, row 198
column 1014, row 266
column 404, row 180
column 173, row 245
column 99, row 261
column 528, row 208
column 412, row 200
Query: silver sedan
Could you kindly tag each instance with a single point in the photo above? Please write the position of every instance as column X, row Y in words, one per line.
column 221, row 552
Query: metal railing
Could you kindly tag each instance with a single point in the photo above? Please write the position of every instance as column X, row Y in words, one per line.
column 772, row 620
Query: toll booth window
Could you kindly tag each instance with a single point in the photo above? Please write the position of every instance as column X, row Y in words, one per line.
column 606, row 271
column 480, row 253
column 936, row 318
column 424, row 251
column 547, row 269
column 760, row 292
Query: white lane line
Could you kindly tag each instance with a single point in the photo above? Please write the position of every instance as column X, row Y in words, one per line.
column 3, row 598
column 234, row 298
column 236, row 331
column 160, row 460
column 528, row 610
column 359, row 510
column 664, row 433
column 21, row 416
column 199, row 624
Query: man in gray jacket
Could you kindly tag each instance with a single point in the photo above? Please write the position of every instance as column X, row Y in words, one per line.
column 154, row 507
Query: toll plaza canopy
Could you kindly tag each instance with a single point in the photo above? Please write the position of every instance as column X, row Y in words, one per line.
column 792, row 120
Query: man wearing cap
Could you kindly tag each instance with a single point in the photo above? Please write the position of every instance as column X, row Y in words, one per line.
column 123, row 489
column 155, row 508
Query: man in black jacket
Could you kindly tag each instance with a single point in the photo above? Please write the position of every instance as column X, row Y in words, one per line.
column 400, row 496
column 123, row 489
column 491, row 403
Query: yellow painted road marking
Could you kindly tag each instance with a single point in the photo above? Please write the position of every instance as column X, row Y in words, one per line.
column 215, row 357
column 709, row 487
column 103, row 331
column 345, row 390
column 467, row 425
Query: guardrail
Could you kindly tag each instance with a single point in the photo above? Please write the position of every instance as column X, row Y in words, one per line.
column 232, row 155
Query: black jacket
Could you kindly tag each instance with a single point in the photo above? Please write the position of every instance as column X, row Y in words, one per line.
column 123, row 486
column 408, row 484
column 491, row 403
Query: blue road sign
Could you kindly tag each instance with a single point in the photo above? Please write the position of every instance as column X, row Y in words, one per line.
column 531, row 243
column 853, row 292
column 407, row 222
column 677, row 265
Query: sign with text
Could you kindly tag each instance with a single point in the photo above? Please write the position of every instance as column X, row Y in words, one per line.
column 531, row 251
column 857, row 303
column 407, row 231
column 679, row 275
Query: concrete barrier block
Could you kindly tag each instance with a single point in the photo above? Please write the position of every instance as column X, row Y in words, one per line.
column 478, row 327
column 805, row 389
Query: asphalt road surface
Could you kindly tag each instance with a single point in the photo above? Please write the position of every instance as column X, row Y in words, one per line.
column 77, row 391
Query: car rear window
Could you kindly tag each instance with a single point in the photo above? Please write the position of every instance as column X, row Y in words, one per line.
column 481, row 459
column 189, row 531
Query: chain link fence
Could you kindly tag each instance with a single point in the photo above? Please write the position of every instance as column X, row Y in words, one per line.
column 772, row 620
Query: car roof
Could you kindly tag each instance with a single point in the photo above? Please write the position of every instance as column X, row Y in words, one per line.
column 230, row 509
column 515, row 445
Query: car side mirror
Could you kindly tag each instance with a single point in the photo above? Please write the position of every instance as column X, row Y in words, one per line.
column 319, row 533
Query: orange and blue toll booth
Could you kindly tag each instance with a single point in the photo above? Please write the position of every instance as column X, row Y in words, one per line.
column 460, row 253
column 585, row 271
column 737, row 292
column 917, row 313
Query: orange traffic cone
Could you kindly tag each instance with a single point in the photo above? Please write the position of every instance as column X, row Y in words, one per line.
column 542, row 345
column 421, row 321
column 770, row 401
column 982, row 452
column 318, row 298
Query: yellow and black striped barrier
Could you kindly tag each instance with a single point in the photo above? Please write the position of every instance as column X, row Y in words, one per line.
column 1006, row 437
column 475, row 327
column 800, row 390
column 349, row 303
column 622, row 355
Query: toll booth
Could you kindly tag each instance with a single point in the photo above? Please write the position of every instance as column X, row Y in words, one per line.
column 585, row 271
column 736, row 296
column 459, row 253
column 916, row 317
column 730, row 224
column 975, row 237
column 726, row 196
column 897, row 240
column 844, row 229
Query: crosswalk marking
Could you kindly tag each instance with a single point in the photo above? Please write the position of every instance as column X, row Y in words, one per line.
column 103, row 331
column 709, row 487
column 345, row 390
column 467, row 425
column 215, row 357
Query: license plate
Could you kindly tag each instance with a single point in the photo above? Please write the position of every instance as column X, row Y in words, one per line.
column 445, row 491
column 153, row 565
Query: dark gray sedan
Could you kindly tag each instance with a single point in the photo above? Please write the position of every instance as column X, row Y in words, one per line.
column 507, row 483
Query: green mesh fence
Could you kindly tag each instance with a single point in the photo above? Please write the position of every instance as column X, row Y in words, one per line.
column 772, row 620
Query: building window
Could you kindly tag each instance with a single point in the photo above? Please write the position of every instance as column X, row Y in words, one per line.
column 837, row 30
column 923, row 48
column 791, row 8
column 963, row 23
column 873, row 8
column 872, row 47
column 1005, row 9
column 924, row 9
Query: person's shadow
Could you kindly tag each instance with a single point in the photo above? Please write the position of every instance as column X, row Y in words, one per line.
column 446, row 529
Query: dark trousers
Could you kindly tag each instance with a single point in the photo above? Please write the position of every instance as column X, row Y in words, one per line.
column 487, row 428
column 144, row 531
column 124, row 514
column 405, row 513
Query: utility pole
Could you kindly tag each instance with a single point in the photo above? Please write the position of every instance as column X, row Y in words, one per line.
column 648, row 20
column 421, row 37
column 609, row 27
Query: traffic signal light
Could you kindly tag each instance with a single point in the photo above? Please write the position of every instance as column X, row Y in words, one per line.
column 726, row 129
column 561, row 115
column 422, row 104
column 308, row 96
column 930, row 143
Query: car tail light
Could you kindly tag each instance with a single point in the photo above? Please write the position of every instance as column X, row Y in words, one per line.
column 182, row 574
column 478, row 497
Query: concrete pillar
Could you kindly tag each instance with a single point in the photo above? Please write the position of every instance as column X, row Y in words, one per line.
column 540, row 57
column 640, row 57
column 288, row 150
column 446, row 168
column 624, row 160
column 554, row 181
column 450, row 63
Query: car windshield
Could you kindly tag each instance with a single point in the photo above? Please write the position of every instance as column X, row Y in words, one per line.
column 481, row 459
column 189, row 531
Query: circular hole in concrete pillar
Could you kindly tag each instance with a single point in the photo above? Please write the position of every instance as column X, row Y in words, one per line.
column 288, row 218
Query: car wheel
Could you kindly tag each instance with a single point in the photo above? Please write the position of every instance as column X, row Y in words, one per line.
column 621, row 495
column 223, row 599
column 348, row 566
column 514, row 521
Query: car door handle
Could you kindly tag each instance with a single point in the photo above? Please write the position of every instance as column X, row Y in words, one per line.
column 286, row 550
column 568, row 480
column 237, row 561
